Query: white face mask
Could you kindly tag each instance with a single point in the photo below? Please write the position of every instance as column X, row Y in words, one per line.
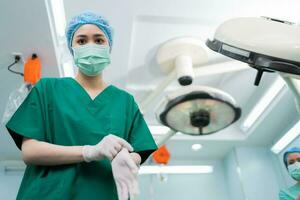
column 294, row 170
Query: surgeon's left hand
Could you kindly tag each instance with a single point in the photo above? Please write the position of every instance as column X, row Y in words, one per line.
column 125, row 172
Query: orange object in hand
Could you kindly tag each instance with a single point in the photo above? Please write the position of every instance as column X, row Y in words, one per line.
column 161, row 155
column 32, row 70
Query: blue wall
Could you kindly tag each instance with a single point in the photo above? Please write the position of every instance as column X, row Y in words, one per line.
column 9, row 184
column 235, row 187
column 251, row 174
column 186, row 187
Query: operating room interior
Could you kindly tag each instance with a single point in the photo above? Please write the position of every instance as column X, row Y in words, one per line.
column 239, row 158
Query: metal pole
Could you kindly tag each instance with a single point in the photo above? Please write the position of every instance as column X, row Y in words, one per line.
column 158, row 90
column 163, row 139
column 294, row 86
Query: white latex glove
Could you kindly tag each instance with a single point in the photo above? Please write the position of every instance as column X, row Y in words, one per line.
column 125, row 173
column 108, row 147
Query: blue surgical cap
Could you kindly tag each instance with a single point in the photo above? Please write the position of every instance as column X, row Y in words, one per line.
column 88, row 17
column 286, row 154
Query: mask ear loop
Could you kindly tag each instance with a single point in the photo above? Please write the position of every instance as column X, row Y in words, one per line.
column 73, row 52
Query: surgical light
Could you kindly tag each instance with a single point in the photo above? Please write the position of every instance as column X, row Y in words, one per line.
column 198, row 110
column 266, row 44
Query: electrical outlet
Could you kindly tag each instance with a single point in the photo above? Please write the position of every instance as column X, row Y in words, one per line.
column 14, row 54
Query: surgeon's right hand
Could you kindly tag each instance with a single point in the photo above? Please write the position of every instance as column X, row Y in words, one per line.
column 125, row 173
column 108, row 148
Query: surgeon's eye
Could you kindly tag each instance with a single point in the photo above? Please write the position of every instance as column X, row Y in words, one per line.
column 99, row 41
column 81, row 41
column 291, row 162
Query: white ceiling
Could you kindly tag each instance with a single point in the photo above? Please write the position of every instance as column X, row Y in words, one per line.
column 140, row 28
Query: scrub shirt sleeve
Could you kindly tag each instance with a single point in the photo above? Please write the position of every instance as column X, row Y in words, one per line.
column 140, row 136
column 283, row 195
column 28, row 121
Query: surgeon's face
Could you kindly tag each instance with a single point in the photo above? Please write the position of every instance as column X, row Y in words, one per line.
column 293, row 157
column 89, row 34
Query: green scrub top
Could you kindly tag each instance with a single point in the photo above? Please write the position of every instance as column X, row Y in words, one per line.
column 291, row 193
column 60, row 111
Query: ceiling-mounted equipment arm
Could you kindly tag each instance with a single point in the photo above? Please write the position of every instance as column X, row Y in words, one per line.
column 144, row 106
column 163, row 139
column 294, row 86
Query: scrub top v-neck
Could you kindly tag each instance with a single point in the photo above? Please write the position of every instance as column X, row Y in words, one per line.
column 86, row 100
column 85, row 93
column 60, row 111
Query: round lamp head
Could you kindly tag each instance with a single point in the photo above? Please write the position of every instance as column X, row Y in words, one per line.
column 198, row 110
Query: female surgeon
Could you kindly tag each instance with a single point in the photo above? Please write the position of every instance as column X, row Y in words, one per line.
column 81, row 138
column 291, row 159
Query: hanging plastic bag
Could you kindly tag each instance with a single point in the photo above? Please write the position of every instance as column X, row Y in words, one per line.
column 15, row 99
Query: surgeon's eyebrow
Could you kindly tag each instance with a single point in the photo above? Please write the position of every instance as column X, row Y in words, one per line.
column 82, row 36
column 99, row 35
